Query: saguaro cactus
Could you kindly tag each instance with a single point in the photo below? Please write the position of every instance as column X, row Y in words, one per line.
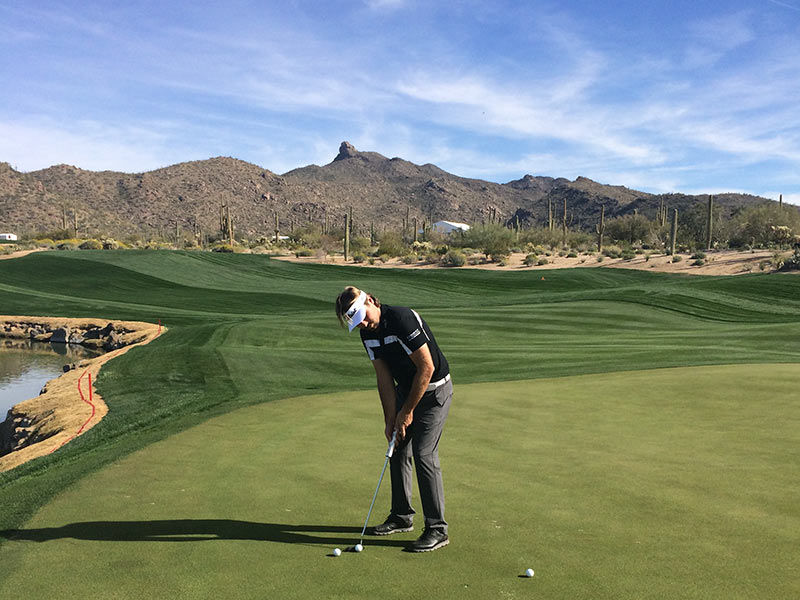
column 346, row 235
column 710, row 221
column 550, row 221
column 277, row 229
column 674, row 233
column 601, row 228
column 564, row 225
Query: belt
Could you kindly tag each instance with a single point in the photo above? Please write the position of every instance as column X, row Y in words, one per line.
column 435, row 384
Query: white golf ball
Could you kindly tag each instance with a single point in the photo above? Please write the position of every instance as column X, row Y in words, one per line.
column 358, row 548
column 529, row 573
column 336, row 552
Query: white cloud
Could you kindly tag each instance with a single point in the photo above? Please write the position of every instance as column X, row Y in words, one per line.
column 88, row 145
column 384, row 4
column 716, row 37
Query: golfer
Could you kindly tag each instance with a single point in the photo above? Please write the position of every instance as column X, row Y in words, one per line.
column 415, row 390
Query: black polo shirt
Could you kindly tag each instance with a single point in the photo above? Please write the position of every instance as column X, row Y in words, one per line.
column 400, row 332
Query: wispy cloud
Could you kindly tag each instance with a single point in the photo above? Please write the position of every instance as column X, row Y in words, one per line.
column 384, row 4
column 89, row 145
column 487, row 90
column 785, row 5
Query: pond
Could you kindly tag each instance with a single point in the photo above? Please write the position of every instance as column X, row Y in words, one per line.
column 26, row 366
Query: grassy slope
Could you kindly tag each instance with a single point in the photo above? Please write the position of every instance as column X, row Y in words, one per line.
column 675, row 483
column 245, row 330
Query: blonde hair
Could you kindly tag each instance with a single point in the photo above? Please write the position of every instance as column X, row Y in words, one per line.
column 345, row 300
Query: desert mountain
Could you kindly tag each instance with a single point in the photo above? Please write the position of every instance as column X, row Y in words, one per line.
column 381, row 190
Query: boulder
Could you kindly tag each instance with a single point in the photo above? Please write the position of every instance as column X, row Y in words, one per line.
column 92, row 334
column 113, row 341
column 60, row 336
column 76, row 337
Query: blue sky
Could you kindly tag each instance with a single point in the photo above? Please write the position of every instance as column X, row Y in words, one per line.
column 694, row 97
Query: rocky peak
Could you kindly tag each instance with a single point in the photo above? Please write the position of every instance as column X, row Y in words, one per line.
column 346, row 150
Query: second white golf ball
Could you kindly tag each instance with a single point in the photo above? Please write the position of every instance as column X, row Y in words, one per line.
column 358, row 548
column 336, row 552
column 529, row 573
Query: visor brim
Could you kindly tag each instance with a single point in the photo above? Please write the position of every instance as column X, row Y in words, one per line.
column 356, row 319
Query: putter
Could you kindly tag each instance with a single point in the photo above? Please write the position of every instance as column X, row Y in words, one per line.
column 389, row 453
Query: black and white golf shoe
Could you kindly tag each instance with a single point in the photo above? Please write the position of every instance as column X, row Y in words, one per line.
column 392, row 525
column 431, row 539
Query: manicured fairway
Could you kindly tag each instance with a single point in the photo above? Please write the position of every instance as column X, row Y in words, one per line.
column 631, row 463
column 671, row 483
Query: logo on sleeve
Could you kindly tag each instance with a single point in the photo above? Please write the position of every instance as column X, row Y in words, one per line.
column 413, row 334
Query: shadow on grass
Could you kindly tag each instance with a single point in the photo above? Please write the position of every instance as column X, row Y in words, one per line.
column 197, row 530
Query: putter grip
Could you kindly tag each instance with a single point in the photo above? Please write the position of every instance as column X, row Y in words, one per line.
column 390, row 450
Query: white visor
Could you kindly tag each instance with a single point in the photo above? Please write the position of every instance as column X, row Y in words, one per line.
column 357, row 311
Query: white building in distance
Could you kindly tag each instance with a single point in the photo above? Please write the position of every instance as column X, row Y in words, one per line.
column 449, row 226
column 8, row 237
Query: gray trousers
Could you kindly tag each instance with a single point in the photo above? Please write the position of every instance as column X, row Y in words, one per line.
column 422, row 443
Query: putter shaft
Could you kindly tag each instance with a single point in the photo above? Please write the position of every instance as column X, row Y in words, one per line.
column 389, row 453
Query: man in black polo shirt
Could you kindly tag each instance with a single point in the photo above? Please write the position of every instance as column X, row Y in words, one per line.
column 415, row 390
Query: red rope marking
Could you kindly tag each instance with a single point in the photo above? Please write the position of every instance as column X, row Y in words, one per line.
column 89, row 402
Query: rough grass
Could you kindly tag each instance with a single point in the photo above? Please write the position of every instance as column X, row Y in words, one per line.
column 675, row 483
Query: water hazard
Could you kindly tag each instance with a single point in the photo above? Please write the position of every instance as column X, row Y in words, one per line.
column 25, row 367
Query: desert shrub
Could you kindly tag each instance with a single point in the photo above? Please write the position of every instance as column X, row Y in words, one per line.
column 421, row 247
column 503, row 262
column 301, row 251
column 627, row 255
column 542, row 261
column 793, row 262
column 359, row 245
column 408, row 259
column 69, row 243
column 600, row 258
column 44, row 242
column 359, row 257
column 55, row 234
column 391, row 244
column 453, row 258
column 572, row 254
column 698, row 263
column 777, row 261
column 371, row 260
column 629, row 228
column 764, row 225
column 219, row 248
column 111, row 244
column 530, row 260
column 494, row 240
column 476, row 259
column 612, row 251
column 384, row 258
column 762, row 265
column 699, row 256
column 677, row 258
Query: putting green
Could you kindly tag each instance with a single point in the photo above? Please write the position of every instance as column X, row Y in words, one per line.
column 670, row 483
